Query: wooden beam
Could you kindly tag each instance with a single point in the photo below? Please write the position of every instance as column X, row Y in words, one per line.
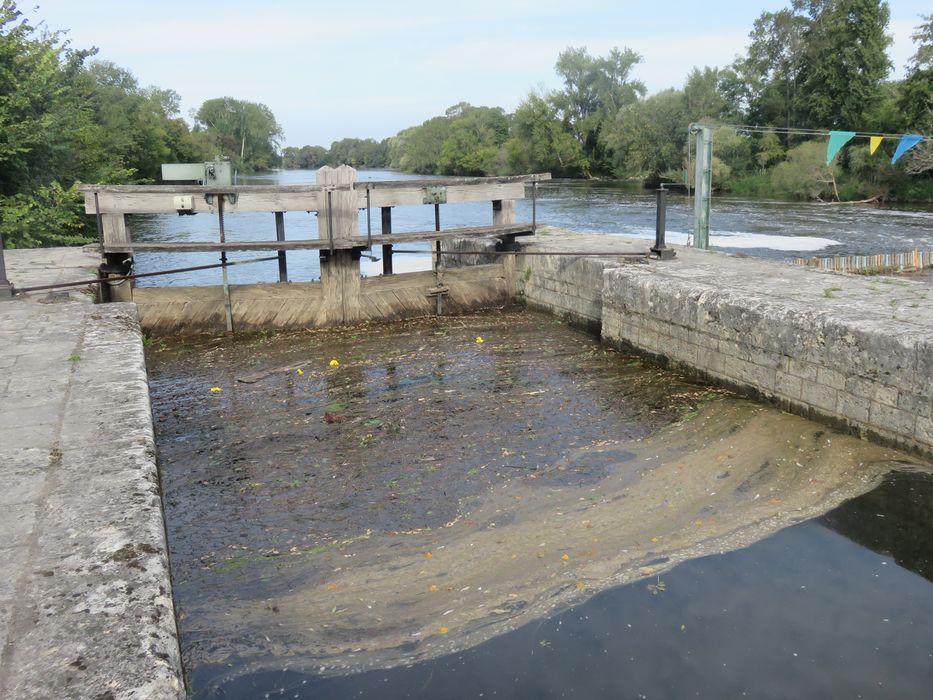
column 159, row 199
column 318, row 244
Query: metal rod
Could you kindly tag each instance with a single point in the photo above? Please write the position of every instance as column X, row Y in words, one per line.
column 121, row 278
column 228, row 308
column 525, row 252
column 369, row 223
column 534, row 206
column 330, row 220
column 280, row 236
column 386, row 214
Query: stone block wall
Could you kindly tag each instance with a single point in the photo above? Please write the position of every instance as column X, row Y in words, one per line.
column 859, row 373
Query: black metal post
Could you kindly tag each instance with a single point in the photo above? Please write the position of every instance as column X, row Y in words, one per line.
column 6, row 287
column 660, row 249
column 280, row 236
column 386, row 213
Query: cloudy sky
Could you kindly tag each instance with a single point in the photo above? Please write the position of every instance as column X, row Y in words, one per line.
column 362, row 68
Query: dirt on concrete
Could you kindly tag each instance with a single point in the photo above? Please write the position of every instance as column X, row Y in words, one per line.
column 342, row 500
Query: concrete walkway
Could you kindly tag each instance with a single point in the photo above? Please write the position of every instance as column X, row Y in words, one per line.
column 85, row 597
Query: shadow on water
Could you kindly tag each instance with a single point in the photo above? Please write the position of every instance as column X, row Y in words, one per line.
column 834, row 607
column 454, row 507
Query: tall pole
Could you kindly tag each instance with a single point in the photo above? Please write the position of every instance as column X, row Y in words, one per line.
column 703, row 185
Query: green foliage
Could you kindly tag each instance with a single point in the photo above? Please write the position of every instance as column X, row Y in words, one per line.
column 805, row 174
column 649, row 137
column 844, row 60
column 540, row 143
column 246, row 132
column 359, row 153
column 49, row 216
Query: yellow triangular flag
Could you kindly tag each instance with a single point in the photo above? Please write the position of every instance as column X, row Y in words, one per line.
column 874, row 143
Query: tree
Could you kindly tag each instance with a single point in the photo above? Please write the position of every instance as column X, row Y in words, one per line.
column 540, row 143
column 805, row 174
column 916, row 100
column 473, row 142
column 246, row 132
column 648, row 138
column 596, row 89
column 844, row 61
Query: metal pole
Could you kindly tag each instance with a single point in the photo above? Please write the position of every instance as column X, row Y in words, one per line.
column 228, row 309
column 6, row 287
column 660, row 249
column 280, row 236
column 534, row 206
column 703, row 185
column 386, row 213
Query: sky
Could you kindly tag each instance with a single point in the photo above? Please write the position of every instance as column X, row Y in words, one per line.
column 366, row 69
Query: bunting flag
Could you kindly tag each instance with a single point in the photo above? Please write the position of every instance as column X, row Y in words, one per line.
column 837, row 139
column 874, row 143
column 907, row 142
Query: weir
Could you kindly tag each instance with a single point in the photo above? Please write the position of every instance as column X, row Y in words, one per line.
column 853, row 351
column 341, row 297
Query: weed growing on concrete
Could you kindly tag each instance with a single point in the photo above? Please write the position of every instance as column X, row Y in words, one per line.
column 828, row 292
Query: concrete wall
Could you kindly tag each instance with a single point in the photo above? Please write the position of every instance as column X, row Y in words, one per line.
column 829, row 347
column 860, row 373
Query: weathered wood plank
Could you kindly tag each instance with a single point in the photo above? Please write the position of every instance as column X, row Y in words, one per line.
column 522, row 229
column 159, row 199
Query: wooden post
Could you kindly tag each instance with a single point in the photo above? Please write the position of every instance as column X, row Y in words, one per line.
column 386, row 213
column 280, row 236
column 115, row 233
column 340, row 269
column 503, row 214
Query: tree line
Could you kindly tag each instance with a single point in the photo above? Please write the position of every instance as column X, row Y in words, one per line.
column 68, row 117
column 815, row 65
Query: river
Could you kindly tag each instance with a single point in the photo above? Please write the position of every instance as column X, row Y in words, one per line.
column 760, row 227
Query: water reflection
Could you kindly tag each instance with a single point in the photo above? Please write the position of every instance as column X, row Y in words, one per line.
column 806, row 613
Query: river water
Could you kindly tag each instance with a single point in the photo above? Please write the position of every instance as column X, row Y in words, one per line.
column 767, row 228
column 497, row 505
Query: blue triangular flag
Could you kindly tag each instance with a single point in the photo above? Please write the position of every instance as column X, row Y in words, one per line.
column 837, row 139
column 907, row 142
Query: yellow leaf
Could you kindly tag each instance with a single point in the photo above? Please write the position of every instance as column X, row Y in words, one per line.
column 299, row 371
column 216, row 389
column 443, row 630
column 580, row 585
column 428, row 555
column 433, row 589
column 479, row 340
column 654, row 539
column 566, row 557
column 334, row 363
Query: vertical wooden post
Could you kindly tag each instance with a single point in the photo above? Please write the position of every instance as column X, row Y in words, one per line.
column 115, row 233
column 503, row 214
column 338, row 220
column 280, row 236
column 386, row 213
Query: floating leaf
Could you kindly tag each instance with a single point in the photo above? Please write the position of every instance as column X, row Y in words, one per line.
column 479, row 340
column 216, row 389
column 429, row 555
column 433, row 589
column 580, row 585
column 443, row 630
column 334, row 363
column 566, row 557
column 299, row 371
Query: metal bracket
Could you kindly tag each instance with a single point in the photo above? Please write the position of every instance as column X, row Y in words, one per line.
column 230, row 196
column 435, row 195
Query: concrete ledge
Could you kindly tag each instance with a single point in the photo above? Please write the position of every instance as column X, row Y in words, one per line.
column 86, row 601
column 840, row 355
